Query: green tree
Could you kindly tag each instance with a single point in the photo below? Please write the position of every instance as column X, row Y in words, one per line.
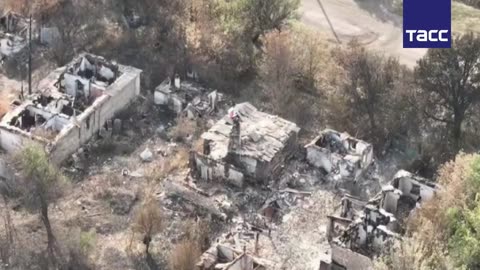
column 464, row 243
column 449, row 84
column 41, row 184
column 369, row 87
column 260, row 17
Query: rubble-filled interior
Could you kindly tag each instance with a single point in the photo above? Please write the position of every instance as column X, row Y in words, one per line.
column 68, row 98
column 87, row 77
column 368, row 227
column 13, row 33
column 340, row 154
column 186, row 97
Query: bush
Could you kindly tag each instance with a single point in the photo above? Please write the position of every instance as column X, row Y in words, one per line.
column 148, row 221
column 87, row 241
column 184, row 128
column 79, row 246
column 168, row 165
column 184, row 255
column 444, row 229
column 199, row 233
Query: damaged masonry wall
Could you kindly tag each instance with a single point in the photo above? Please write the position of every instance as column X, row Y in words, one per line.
column 13, row 33
column 187, row 98
column 264, row 142
column 340, row 154
column 55, row 113
column 368, row 226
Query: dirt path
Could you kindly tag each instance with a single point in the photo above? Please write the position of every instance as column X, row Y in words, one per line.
column 365, row 20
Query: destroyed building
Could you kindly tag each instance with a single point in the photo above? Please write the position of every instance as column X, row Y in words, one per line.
column 367, row 226
column 247, row 144
column 344, row 259
column 235, row 250
column 70, row 106
column 187, row 98
column 13, row 34
column 340, row 154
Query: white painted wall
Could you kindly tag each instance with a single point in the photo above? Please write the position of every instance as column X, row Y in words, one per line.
column 390, row 201
column 212, row 170
column 71, row 85
column 9, row 141
column 122, row 92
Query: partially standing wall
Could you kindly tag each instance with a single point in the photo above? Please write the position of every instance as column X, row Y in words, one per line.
column 117, row 97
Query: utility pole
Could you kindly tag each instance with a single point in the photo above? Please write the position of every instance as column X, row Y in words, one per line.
column 30, row 56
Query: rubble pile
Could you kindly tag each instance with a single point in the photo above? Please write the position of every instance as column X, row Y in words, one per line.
column 368, row 227
column 188, row 98
column 340, row 155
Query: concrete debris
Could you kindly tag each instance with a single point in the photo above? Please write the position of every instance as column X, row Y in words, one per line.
column 369, row 227
column 146, row 155
column 135, row 174
column 344, row 259
column 187, row 98
column 236, row 250
column 339, row 154
column 13, row 34
column 160, row 130
column 201, row 203
column 247, row 144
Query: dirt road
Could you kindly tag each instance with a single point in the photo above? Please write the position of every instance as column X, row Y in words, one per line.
column 366, row 20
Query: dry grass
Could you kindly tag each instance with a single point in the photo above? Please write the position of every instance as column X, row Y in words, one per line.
column 465, row 18
column 184, row 128
column 184, row 255
column 44, row 133
column 162, row 168
column 24, row 6
column 199, row 233
column 430, row 227
column 4, row 105
column 148, row 220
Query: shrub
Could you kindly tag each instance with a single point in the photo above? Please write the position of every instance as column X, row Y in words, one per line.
column 148, row 221
column 184, row 255
column 168, row 165
column 184, row 128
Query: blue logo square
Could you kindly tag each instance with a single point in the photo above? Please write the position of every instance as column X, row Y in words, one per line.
column 427, row 23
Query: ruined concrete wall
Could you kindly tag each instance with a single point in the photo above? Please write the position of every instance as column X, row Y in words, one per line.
column 243, row 263
column 90, row 121
column 160, row 98
column 11, row 142
column 390, row 202
column 211, row 170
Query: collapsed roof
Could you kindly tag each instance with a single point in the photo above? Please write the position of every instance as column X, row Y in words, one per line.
column 82, row 95
column 13, row 33
column 262, row 134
